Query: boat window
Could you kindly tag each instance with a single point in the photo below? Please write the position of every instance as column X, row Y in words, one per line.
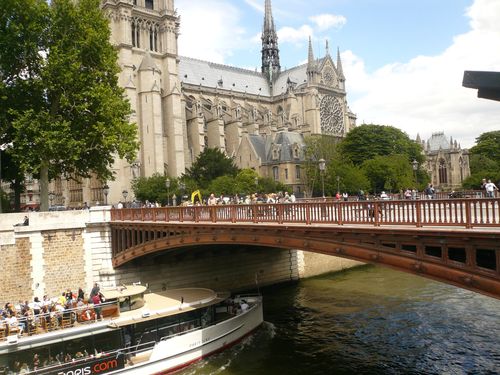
column 137, row 301
column 131, row 303
column 107, row 342
column 124, row 303
column 145, row 331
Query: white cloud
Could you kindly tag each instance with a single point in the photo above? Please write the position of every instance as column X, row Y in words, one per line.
column 328, row 21
column 291, row 35
column 214, row 40
column 425, row 94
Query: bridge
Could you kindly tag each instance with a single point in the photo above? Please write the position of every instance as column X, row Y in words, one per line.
column 455, row 241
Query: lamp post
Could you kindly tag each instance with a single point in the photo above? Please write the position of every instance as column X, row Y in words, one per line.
column 105, row 191
column 125, row 194
column 3, row 147
column 256, row 180
column 51, row 198
column 322, row 166
column 182, row 187
column 414, row 164
column 167, row 185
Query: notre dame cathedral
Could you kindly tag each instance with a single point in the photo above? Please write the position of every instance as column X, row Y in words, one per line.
column 183, row 105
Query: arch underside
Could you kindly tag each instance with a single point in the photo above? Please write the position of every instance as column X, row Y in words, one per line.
column 450, row 258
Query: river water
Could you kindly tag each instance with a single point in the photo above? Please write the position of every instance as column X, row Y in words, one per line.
column 368, row 320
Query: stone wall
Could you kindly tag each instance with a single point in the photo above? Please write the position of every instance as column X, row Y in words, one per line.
column 16, row 283
column 64, row 261
column 221, row 268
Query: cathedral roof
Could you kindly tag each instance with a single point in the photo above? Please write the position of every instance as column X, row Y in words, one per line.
column 438, row 141
column 284, row 140
column 207, row 74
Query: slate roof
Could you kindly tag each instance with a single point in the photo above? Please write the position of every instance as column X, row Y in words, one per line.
column 263, row 146
column 208, row 74
column 438, row 141
column 196, row 72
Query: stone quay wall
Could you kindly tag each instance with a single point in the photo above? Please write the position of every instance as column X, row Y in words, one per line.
column 72, row 249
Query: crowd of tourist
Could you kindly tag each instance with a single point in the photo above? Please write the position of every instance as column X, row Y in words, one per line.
column 27, row 318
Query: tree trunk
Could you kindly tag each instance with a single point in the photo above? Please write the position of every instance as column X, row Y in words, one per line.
column 44, row 187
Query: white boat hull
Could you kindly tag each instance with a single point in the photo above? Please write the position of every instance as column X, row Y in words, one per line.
column 180, row 351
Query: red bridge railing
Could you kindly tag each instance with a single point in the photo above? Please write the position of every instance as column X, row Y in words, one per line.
column 468, row 213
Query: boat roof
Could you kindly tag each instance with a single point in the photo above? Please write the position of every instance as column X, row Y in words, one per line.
column 171, row 302
column 123, row 291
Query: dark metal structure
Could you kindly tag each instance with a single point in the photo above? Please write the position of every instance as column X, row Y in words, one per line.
column 486, row 83
column 434, row 239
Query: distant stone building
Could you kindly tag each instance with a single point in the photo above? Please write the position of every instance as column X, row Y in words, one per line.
column 447, row 162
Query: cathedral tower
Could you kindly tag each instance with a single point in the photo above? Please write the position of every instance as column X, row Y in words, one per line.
column 270, row 52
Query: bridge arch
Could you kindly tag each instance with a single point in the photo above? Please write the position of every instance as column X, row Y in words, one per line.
column 462, row 258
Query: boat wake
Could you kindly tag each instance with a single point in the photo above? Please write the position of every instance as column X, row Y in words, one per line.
column 221, row 362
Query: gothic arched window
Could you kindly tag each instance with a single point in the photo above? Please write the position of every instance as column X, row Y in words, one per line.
column 276, row 174
column 149, row 4
column 153, row 38
column 443, row 172
column 136, row 33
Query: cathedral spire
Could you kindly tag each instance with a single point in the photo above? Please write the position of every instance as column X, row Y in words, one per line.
column 310, row 56
column 270, row 51
column 340, row 71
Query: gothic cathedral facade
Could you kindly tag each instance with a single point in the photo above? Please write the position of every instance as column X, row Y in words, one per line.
column 183, row 105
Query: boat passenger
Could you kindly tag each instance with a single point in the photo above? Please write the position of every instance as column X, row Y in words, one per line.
column 244, row 306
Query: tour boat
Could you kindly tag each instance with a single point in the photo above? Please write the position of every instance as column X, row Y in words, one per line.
column 140, row 333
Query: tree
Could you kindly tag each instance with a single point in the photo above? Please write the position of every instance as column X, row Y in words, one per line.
column 352, row 179
column 153, row 189
column 317, row 148
column 488, row 145
column 23, row 26
column 484, row 160
column 210, row 164
column 366, row 142
column 389, row 173
column 82, row 124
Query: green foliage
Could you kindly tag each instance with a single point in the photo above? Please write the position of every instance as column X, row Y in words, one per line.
column 316, row 148
column 153, row 189
column 225, row 185
column 484, row 160
column 481, row 166
column 389, row 173
column 76, row 119
column 23, row 25
column 209, row 165
column 488, row 145
column 366, row 142
column 351, row 179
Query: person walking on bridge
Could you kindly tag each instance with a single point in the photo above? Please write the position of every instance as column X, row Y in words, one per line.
column 490, row 189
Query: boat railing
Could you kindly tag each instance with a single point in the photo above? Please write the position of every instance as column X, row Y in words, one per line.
column 128, row 352
column 59, row 319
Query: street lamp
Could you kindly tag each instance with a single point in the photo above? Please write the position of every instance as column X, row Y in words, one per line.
column 125, row 194
column 51, row 197
column 105, row 190
column 3, row 147
column 256, row 179
column 182, row 187
column 167, row 184
column 414, row 164
column 322, row 166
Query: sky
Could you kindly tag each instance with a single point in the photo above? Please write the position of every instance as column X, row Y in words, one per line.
column 403, row 60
